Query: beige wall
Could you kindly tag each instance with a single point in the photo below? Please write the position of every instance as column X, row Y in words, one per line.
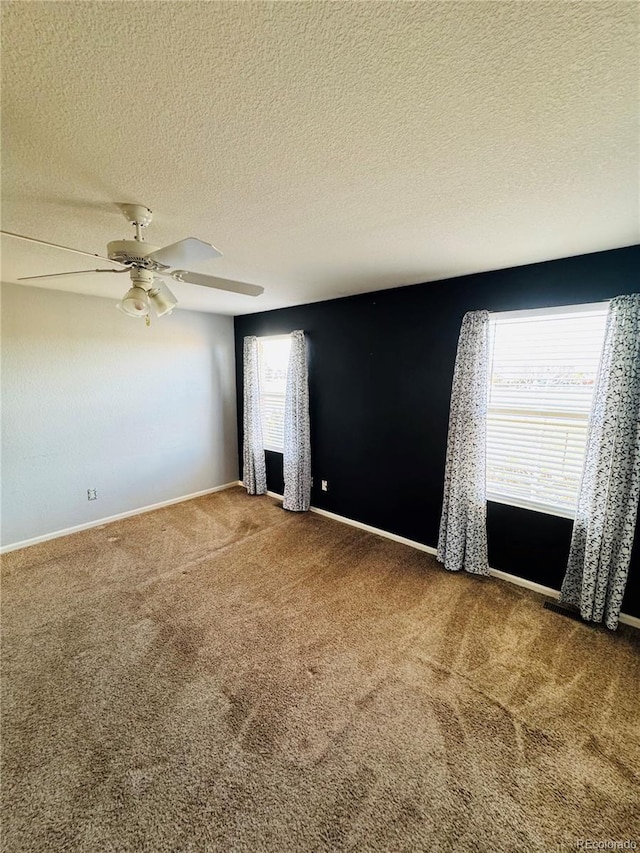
column 94, row 399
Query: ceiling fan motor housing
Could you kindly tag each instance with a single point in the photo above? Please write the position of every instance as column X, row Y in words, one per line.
column 132, row 253
column 142, row 278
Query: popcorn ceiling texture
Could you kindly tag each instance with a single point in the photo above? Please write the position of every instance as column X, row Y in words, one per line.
column 325, row 148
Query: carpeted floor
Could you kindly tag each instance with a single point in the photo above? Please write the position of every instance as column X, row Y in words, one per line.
column 222, row 675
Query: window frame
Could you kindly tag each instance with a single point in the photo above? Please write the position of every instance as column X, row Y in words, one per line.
column 522, row 314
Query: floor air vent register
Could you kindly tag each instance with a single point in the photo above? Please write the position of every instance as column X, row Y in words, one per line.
column 569, row 612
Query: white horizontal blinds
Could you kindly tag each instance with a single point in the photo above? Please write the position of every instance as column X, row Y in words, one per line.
column 543, row 372
column 273, row 360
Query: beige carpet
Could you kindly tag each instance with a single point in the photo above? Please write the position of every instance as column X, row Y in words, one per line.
column 222, row 675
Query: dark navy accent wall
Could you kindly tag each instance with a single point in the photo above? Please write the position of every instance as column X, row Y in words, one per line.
column 380, row 372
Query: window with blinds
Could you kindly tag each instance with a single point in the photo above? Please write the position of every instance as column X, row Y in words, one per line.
column 273, row 361
column 543, row 371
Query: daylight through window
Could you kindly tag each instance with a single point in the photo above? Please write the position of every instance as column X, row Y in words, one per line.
column 273, row 359
column 543, row 371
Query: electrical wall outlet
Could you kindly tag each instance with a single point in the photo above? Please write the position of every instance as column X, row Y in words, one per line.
column 324, row 485
column 92, row 495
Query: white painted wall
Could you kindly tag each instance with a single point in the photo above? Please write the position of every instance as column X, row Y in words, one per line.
column 92, row 398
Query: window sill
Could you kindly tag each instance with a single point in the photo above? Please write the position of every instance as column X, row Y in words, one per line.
column 279, row 450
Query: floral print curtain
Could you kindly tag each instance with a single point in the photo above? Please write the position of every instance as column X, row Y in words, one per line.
column 254, row 468
column 462, row 542
column 608, row 502
column 297, row 446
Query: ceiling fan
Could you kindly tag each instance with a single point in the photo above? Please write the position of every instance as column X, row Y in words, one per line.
column 144, row 262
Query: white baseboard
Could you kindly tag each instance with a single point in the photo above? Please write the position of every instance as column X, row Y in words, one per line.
column 377, row 531
column 14, row 546
column 419, row 546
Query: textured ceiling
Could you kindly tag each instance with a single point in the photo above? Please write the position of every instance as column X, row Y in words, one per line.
column 325, row 148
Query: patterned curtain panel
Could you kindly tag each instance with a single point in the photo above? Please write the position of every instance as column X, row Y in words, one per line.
column 608, row 503
column 254, row 469
column 297, row 446
column 462, row 543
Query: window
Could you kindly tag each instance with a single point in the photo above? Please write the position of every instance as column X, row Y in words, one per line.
column 273, row 360
column 543, row 371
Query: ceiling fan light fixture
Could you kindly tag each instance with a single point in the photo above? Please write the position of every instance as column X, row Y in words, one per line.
column 162, row 300
column 135, row 302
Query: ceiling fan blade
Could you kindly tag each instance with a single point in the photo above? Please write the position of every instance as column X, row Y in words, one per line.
column 218, row 283
column 74, row 272
column 188, row 251
column 57, row 246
